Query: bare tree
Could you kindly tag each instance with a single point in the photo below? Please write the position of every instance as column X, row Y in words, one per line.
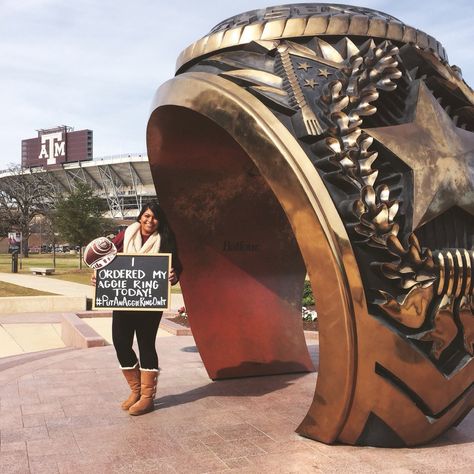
column 49, row 232
column 24, row 194
column 5, row 224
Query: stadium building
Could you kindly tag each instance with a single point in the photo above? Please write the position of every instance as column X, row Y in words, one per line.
column 123, row 181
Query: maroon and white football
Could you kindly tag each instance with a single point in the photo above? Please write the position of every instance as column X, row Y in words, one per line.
column 99, row 253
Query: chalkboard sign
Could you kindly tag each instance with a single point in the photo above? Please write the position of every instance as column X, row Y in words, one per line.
column 134, row 282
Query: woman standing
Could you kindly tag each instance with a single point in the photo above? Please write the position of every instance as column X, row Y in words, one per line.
column 150, row 234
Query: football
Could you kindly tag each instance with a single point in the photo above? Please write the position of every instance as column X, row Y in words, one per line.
column 99, row 253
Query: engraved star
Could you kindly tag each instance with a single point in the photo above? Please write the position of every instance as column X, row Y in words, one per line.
column 310, row 83
column 440, row 154
column 304, row 66
column 324, row 72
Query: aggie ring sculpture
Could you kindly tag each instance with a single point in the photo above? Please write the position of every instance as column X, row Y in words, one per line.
column 338, row 142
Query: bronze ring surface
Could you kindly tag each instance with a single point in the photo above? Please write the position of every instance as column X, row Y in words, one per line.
column 337, row 142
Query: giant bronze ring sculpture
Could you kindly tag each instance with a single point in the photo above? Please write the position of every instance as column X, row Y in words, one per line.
column 338, row 142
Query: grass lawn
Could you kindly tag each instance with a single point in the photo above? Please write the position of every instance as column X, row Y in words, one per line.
column 64, row 262
column 7, row 289
column 67, row 266
column 84, row 276
column 77, row 276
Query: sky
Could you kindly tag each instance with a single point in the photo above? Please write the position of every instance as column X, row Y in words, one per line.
column 97, row 64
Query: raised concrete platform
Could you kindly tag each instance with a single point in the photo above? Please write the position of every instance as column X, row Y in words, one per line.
column 61, row 414
column 51, row 304
column 41, row 316
column 175, row 329
column 92, row 317
column 32, row 332
column 77, row 333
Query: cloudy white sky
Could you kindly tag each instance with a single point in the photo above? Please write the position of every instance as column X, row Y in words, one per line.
column 96, row 64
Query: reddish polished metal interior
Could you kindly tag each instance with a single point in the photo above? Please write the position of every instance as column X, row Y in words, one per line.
column 243, row 271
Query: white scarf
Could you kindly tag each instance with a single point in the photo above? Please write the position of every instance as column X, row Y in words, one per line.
column 132, row 242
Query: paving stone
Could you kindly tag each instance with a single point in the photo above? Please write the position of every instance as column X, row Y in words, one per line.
column 196, row 464
column 49, row 447
column 43, row 465
column 23, row 434
column 237, row 463
column 243, row 430
column 10, row 420
column 235, row 449
column 13, row 462
column 40, row 408
column 33, row 420
column 13, row 446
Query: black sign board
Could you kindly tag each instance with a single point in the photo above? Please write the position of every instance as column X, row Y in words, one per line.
column 134, row 282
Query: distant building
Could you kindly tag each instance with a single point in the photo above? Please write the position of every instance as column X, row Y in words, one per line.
column 123, row 181
column 55, row 146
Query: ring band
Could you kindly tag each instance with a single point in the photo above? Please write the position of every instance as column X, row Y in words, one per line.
column 281, row 149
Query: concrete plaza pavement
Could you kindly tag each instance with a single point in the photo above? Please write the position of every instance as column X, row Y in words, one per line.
column 60, row 413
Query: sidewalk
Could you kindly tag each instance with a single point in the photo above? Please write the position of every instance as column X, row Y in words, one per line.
column 39, row 331
column 48, row 284
column 61, row 414
column 66, row 288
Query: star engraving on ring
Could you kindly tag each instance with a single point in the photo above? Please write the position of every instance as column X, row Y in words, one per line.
column 305, row 65
column 440, row 154
column 310, row 83
column 324, row 72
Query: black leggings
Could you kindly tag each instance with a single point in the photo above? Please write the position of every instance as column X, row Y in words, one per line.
column 145, row 325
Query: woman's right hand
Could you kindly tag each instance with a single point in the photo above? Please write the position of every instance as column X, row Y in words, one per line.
column 173, row 278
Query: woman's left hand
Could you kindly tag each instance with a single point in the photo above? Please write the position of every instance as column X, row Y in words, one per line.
column 173, row 278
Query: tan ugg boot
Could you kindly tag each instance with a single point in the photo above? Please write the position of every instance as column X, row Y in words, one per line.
column 133, row 378
column 149, row 379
